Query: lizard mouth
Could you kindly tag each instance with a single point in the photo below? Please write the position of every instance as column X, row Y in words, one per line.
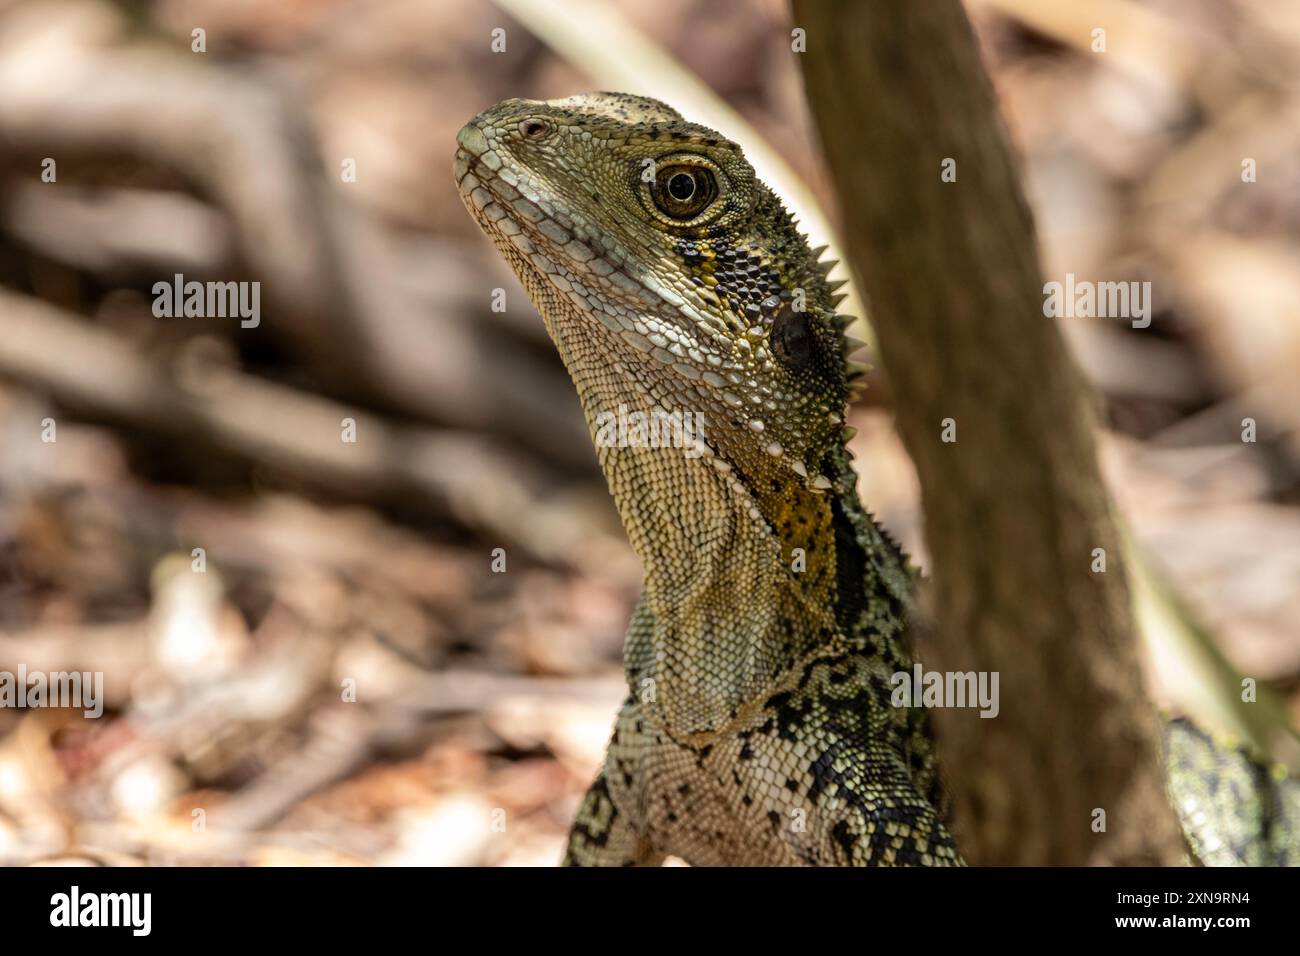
column 510, row 206
column 581, row 261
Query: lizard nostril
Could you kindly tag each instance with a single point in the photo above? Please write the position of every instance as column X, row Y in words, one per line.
column 534, row 128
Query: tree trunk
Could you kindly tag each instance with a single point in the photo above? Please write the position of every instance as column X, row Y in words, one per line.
column 1015, row 507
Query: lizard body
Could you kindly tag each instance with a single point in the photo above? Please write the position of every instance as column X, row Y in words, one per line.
column 759, row 727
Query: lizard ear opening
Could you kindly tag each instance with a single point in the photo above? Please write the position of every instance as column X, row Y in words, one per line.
column 792, row 339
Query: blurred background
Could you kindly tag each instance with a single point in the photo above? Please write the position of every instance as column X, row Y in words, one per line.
column 313, row 650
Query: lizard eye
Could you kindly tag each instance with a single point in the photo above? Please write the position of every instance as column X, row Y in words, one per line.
column 684, row 191
column 681, row 187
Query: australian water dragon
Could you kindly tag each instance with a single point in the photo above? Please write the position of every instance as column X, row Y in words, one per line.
column 759, row 727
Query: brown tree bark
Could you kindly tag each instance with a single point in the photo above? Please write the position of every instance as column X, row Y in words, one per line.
column 1015, row 507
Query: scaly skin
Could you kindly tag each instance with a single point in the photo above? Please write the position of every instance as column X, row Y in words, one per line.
column 759, row 728
column 1235, row 811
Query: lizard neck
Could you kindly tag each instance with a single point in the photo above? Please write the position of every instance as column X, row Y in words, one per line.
column 743, row 580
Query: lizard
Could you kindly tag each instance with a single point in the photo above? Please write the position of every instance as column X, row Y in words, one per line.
column 759, row 728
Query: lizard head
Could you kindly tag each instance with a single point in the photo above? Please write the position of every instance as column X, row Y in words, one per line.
column 652, row 249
